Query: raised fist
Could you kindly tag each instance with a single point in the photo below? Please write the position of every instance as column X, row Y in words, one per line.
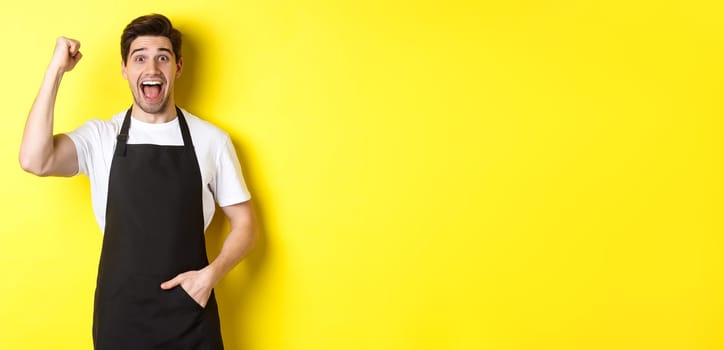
column 67, row 54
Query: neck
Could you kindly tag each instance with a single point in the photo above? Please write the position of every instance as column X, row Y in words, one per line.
column 164, row 116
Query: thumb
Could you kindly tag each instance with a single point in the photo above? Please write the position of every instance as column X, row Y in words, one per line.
column 172, row 282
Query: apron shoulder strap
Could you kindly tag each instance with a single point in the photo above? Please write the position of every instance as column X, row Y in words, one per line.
column 122, row 138
column 185, row 133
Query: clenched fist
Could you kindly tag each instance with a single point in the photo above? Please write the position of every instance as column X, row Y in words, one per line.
column 66, row 54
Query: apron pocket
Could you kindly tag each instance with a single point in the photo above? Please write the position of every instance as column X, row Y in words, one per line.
column 179, row 318
column 183, row 295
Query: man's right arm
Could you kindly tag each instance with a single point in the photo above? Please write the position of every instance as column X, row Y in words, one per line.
column 41, row 153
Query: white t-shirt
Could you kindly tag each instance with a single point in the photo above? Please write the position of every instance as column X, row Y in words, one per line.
column 221, row 176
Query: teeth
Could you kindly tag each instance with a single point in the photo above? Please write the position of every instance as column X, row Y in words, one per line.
column 151, row 83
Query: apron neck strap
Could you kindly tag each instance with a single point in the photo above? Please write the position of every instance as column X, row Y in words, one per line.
column 185, row 133
column 122, row 138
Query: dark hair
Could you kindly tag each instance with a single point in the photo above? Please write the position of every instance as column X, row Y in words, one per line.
column 150, row 25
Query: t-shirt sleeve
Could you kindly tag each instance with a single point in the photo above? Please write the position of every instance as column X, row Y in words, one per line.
column 86, row 138
column 228, row 184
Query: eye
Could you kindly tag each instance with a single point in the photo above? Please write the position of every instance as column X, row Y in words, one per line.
column 138, row 59
column 163, row 58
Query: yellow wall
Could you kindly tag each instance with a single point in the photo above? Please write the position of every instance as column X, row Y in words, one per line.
column 428, row 175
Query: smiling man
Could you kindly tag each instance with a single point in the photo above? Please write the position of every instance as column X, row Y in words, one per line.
column 155, row 172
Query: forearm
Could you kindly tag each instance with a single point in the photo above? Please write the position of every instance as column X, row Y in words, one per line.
column 238, row 244
column 36, row 148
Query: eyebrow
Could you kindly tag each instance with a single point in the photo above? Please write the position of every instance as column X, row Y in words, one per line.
column 143, row 49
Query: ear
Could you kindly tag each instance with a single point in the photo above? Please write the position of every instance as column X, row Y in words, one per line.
column 123, row 70
column 179, row 67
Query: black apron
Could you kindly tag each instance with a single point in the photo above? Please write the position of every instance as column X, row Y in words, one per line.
column 154, row 231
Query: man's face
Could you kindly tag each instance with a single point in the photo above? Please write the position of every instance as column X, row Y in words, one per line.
column 151, row 71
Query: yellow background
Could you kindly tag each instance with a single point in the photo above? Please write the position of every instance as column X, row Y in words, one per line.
column 428, row 175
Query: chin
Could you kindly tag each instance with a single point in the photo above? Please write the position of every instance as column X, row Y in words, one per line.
column 155, row 108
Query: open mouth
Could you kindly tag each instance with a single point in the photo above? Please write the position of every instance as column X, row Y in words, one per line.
column 151, row 90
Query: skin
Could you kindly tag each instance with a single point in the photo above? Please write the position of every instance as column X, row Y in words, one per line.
column 152, row 58
column 45, row 154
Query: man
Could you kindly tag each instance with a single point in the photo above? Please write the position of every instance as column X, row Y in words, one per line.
column 155, row 172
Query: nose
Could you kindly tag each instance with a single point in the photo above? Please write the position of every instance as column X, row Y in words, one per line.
column 153, row 66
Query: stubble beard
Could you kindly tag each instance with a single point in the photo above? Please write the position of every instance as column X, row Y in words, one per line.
column 151, row 109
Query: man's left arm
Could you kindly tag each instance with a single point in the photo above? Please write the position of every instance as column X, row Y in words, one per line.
column 241, row 239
